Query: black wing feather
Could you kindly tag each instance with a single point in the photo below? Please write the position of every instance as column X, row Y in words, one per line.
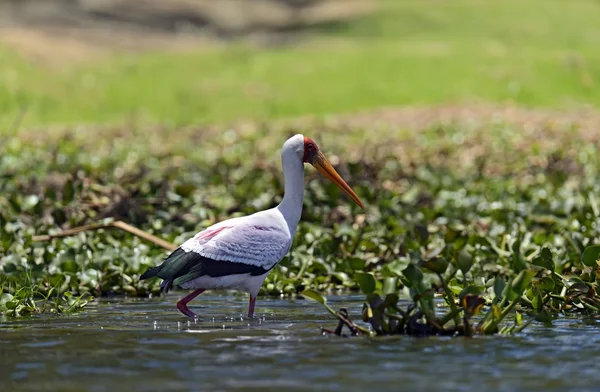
column 181, row 267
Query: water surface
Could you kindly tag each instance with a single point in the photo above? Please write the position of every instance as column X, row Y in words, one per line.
column 146, row 345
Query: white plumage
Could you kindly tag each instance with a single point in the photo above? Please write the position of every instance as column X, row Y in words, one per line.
column 261, row 239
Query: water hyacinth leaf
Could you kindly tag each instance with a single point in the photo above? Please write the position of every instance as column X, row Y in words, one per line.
column 455, row 286
column 413, row 275
column 29, row 202
column 451, row 236
column 545, row 284
column 546, row 254
column 518, row 318
column 509, row 293
column 522, row 282
column 366, row 282
column 544, row 263
column 389, row 285
column 357, row 263
column 460, row 242
column 499, row 285
column 496, row 312
column 422, row 234
column 578, row 288
column 185, row 190
column 314, row 295
column 342, row 276
column 68, row 191
column 391, row 300
column 590, row 255
column 4, row 298
column 543, row 316
column 518, row 262
column 438, row 265
column 70, row 266
column 397, row 267
column 537, row 302
column 464, row 260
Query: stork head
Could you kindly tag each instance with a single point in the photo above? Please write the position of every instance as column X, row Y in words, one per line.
column 309, row 152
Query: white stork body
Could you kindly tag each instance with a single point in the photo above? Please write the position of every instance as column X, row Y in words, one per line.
column 259, row 240
column 239, row 253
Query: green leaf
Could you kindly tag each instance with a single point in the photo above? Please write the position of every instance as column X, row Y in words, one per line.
column 541, row 262
column 545, row 284
column 464, row 260
column 391, row 300
column 396, row 268
column 314, row 295
column 537, row 303
column 518, row 318
column 68, row 191
column 366, row 282
column 590, row 255
column 518, row 262
column 421, row 233
column 357, row 263
column 546, row 254
column 70, row 266
column 389, row 285
column 438, row 265
column 5, row 297
column 499, row 285
column 29, row 202
column 543, row 317
column 413, row 275
column 522, row 282
column 578, row 288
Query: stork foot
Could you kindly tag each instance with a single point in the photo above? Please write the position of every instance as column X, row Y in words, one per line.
column 184, row 309
column 182, row 304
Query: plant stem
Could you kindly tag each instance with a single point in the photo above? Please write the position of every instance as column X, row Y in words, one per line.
column 494, row 323
column 453, row 309
column 524, row 325
column 353, row 327
column 453, row 314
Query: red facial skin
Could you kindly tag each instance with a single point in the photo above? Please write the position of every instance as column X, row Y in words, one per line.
column 310, row 150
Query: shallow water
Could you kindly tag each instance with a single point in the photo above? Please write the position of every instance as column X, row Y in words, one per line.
column 146, row 345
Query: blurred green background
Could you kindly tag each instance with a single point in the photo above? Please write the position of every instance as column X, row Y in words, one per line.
column 64, row 63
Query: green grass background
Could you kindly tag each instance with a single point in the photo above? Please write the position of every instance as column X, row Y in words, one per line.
column 533, row 53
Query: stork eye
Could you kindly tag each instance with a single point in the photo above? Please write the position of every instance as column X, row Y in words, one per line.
column 310, row 146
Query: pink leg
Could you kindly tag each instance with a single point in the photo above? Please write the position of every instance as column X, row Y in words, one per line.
column 182, row 304
column 251, row 307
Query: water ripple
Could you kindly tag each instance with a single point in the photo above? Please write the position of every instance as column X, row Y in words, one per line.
column 146, row 345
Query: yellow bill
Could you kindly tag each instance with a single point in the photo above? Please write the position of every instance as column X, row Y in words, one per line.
column 324, row 167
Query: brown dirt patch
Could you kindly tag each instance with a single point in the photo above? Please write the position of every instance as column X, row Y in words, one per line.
column 65, row 30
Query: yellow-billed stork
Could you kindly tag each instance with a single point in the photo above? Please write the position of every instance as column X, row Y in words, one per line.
column 239, row 253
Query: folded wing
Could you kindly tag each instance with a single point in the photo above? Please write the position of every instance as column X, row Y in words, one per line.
column 242, row 248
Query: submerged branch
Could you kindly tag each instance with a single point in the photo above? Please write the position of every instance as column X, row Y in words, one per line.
column 343, row 317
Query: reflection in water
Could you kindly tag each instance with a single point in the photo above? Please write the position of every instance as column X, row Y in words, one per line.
column 145, row 345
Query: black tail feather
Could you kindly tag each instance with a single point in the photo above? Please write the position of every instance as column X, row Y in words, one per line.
column 165, row 285
column 151, row 272
column 182, row 267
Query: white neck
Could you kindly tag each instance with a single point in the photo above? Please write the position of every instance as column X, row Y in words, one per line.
column 291, row 205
